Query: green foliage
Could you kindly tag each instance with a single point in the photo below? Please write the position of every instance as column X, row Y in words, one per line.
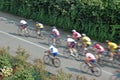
column 94, row 17
column 22, row 54
column 4, row 61
column 22, row 75
column 4, row 57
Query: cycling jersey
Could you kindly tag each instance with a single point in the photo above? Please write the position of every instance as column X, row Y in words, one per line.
column 112, row 46
column 90, row 56
column 53, row 50
column 55, row 32
column 71, row 42
column 99, row 48
column 76, row 35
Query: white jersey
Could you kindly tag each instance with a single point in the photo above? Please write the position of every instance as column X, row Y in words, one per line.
column 53, row 49
column 23, row 22
column 56, row 32
column 91, row 56
column 70, row 40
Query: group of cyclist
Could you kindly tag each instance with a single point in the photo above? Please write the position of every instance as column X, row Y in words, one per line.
column 76, row 38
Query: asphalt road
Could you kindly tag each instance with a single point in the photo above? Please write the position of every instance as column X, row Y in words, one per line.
column 36, row 48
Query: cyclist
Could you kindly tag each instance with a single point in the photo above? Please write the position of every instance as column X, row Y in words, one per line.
column 53, row 50
column 112, row 48
column 39, row 28
column 100, row 49
column 86, row 41
column 89, row 58
column 24, row 25
column 55, row 34
column 71, row 44
column 76, row 35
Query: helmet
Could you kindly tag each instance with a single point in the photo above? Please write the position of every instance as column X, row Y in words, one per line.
column 73, row 30
column 68, row 36
column 94, row 43
column 107, row 41
column 54, row 27
column 83, row 34
column 51, row 46
column 36, row 22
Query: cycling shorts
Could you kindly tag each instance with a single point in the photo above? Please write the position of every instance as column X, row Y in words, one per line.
column 55, row 53
column 55, row 36
column 92, row 61
column 100, row 51
column 24, row 26
column 40, row 29
column 72, row 44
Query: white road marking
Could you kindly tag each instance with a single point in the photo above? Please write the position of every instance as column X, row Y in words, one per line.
column 22, row 39
column 37, row 45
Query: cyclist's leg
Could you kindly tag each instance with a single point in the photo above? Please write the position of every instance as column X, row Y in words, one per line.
column 92, row 62
column 54, row 56
column 71, row 49
column 24, row 28
column 87, row 61
column 41, row 29
column 54, row 39
column 99, row 54
column 112, row 52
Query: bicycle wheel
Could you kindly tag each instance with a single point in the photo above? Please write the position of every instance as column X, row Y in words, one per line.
column 26, row 33
column 84, row 67
column 46, row 59
column 50, row 39
column 19, row 31
column 97, row 71
column 79, row 58
column 66, row 53
column 101, row 62
column 58, row 43
column 57, row 62
column 42, row 36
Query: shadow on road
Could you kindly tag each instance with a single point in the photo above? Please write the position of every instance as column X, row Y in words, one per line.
column 44, row 43
column 78, row 71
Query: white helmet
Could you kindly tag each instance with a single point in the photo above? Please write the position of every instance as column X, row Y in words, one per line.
column 54, row 27
column 73, row 30
column 83, row 34
column 68, row 36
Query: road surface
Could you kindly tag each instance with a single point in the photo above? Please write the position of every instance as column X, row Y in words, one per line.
column 36, row 48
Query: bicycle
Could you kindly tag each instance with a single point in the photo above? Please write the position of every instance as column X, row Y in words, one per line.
column 66, row 53
column 49, row 59
column 50, row 41
column 104, row 59
column 38, row 34
column 95, row 69
column 24, row 33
